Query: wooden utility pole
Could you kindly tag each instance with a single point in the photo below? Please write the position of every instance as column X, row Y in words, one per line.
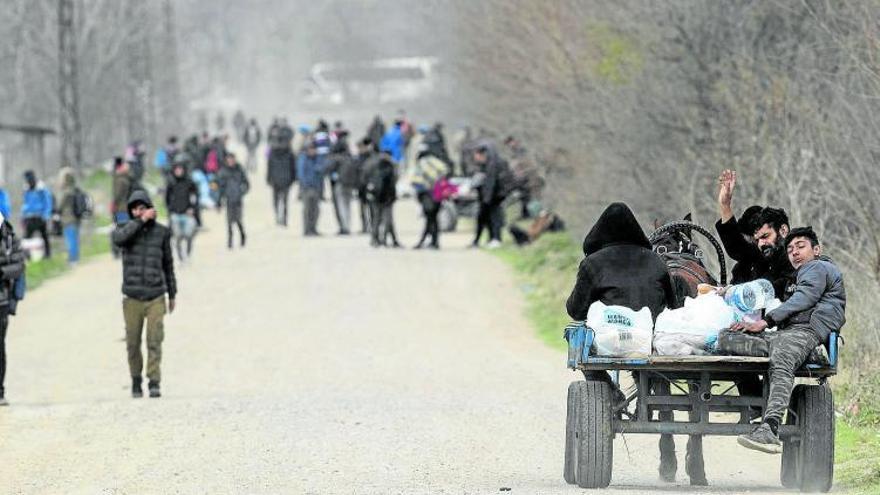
column 68, row 93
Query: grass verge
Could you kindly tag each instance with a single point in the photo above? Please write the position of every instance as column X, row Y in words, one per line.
column 92, row 243
column 857, row 458
column 546, row 271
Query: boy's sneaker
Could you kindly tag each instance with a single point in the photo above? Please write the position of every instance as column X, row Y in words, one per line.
column 3, row 401
column 761, row 439
column 154, row 389
column 136, row 390
column 494, row 244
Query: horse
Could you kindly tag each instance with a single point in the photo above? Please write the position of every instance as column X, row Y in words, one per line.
column 674, row 244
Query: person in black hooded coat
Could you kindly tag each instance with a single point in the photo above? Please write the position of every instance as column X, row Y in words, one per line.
column 620, row 268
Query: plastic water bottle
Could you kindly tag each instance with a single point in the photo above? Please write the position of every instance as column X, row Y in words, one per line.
column 750, row 296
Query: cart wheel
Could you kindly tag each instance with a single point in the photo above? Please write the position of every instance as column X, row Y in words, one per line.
column 815, row 409
column 575, row 390
column 790, row 448
column 595, row 436
column 447, row 218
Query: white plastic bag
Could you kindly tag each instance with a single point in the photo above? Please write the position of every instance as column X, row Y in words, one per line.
column 620, row 331
column 704, row 315
column 692, row 329
column 683, row 344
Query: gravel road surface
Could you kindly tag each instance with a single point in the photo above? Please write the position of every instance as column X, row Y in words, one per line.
column 310, row 366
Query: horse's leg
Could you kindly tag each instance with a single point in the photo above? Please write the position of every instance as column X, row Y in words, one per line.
column 668, row 461
column 694, row 457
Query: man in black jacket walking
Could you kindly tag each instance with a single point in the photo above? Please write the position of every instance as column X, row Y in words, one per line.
column 281, row 174
column 182, row 200
column 147, row 275
column 234, row 185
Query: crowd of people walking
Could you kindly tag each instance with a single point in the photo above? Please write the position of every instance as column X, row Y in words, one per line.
column 386, row 164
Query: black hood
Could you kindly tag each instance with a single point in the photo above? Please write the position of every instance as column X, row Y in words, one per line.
column 139, row 196
column 616, row 225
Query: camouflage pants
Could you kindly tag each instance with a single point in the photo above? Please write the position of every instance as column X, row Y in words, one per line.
column 788, row 349
column 135, row 312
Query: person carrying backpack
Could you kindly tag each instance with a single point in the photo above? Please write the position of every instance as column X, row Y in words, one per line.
column 382, row 194
column 73, row 207
column 12, row 263
column 429, row 169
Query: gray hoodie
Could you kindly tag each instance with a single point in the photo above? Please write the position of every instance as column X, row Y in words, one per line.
column 819, row 299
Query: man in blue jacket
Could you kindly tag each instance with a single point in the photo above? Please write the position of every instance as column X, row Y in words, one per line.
column 36, row 210
column 310, row 171
column 815, row 309
column 394, row 142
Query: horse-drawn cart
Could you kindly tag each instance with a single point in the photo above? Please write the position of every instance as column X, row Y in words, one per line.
column 710, row 389
column 704, row 385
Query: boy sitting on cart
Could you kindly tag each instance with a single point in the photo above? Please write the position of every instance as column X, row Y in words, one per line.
column 814, row 310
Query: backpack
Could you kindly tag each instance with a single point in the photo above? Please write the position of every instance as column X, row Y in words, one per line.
column 82, row 204
column 212, row 162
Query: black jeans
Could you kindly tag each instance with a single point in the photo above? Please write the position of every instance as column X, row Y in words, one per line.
column 279, row 203
column 431, row 210
column 383, row 224
column 33, row 225
column 491, row 217
column 4, row 323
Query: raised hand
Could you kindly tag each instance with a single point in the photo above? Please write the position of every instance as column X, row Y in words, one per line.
column 726, row 185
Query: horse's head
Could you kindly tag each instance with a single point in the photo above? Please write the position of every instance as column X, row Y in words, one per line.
column 683, row 257
column 678, row 241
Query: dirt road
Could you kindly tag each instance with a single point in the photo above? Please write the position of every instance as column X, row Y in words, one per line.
column 309, row 366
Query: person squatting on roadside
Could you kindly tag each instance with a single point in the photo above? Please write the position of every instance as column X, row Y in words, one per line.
column 182, row 199
column 12, row 265
column 233, row 185
column 36, row 210
column 280, row 175
column 815, row 309
column 147, row 276
column 310, row 171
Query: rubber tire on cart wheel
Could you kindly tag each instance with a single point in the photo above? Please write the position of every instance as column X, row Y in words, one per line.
column 575, row 390
column 815, row 409
column 791, row 449
column 595, row 436
column 447, row 217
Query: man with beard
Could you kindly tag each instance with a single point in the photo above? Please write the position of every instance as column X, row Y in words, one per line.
column 147, row 276
column 762, row 256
